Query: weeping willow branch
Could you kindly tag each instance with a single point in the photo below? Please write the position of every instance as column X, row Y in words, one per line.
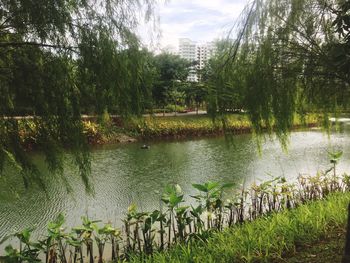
column 234, row 48
column 22, row 44
column 285, row 50
column 63, row 60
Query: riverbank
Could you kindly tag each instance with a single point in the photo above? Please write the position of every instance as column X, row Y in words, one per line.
column 114, row 130
column 198, row 126
column 176, row 127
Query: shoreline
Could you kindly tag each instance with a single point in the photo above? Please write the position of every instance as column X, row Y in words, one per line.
column 114, row 130
column 125, row 138
column 183, row 127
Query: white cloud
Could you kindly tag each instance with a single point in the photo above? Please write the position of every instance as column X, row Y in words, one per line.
column 200, row 20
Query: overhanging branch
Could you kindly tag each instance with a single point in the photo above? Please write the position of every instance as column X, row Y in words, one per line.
column 36, row 44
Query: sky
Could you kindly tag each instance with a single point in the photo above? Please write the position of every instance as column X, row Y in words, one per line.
column 199, row 20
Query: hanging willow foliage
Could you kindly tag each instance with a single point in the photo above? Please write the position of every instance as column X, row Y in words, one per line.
column 59, row 59
column 290, row 58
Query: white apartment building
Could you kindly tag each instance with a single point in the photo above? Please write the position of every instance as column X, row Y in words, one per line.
column 204, row 53
column 193, row 52
column 188, row 50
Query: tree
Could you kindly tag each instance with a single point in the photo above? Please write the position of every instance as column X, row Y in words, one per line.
column 196, row 93
column 341, row 23
column 171, row 69
column 175, row 97
column 58, row 57
column 288, row 56
column 225, row 86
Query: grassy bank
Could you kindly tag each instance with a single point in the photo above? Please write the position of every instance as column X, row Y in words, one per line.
column 110, row 130
column 329, row 248
column 267, row 239
column 196, row 126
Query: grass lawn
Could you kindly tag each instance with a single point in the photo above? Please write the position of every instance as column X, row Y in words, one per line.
column 328, row 249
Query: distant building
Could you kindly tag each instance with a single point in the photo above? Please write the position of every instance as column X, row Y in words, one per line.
column 188, row 50
column 170, row 50
column 204, row 53
column 198, row 54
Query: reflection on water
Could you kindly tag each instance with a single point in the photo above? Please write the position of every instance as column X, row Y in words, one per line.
column 125, row 174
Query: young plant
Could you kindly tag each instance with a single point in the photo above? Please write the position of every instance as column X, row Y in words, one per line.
column 148, row 230
column 334, row 159
column 55, row 241
column 86, row 233
column 172, row 197
column 28, row 251
column 211, row 198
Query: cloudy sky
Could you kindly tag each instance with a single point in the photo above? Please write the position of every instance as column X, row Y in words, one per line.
column 200, row 20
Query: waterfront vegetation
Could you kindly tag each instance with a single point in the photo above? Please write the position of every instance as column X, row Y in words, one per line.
column 272, row 238
column 107, row 130
column 222, row 223
column 187, row 126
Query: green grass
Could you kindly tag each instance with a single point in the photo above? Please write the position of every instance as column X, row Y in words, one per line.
column 329, row 248
column 266, row 239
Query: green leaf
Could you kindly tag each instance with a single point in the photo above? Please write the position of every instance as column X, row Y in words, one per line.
column 181, row 210
column 212, row 185
column 200, row 187
column 175, row 200
column 10, row 251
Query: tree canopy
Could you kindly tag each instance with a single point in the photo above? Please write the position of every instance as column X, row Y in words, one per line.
column 171, row 69
column 225, row 88
column 291, row 56
column 59, row 58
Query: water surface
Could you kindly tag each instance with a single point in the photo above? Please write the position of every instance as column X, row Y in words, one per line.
column 125, row 174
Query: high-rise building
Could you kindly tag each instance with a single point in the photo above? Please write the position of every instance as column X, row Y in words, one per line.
column 204, row 53
column 188, row 50
column 198, row 54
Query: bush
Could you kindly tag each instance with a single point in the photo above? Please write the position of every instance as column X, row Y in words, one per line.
column 92, row 132
column 173, row 108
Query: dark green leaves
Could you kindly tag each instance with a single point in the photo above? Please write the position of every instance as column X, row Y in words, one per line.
column 292, row 59
column 58, row 60
column 172, row 196
column 342, row 21
column 335, row 156
column 200, row 187
column 171, row 71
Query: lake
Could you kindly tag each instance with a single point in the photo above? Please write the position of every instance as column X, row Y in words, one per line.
column 126, row 174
